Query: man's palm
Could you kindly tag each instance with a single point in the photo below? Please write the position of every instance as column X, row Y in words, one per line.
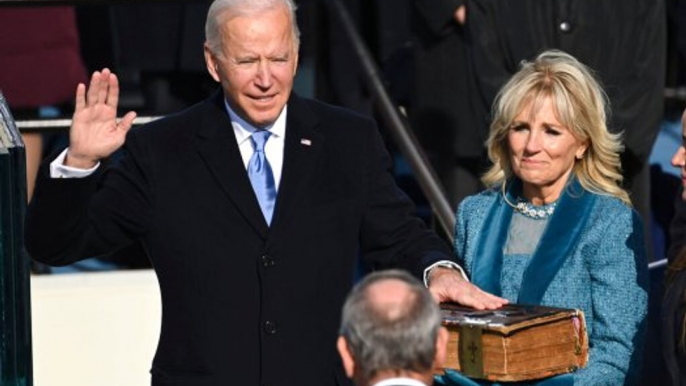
column 95, row 132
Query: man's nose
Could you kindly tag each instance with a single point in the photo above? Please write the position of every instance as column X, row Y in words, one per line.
column 264, row 74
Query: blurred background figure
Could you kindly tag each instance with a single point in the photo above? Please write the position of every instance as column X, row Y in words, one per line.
column 391, row 332
column 442, row 111
column 40, row 65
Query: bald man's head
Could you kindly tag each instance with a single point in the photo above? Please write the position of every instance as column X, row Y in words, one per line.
column 390, row 322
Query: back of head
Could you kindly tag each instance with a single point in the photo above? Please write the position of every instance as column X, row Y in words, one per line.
column 580, row 105
column 391, row 323
column 222, row 10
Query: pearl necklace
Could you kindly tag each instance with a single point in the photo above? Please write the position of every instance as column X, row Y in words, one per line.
column 535, row 212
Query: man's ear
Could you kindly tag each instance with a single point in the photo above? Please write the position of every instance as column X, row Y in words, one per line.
column 346, row 356
column 441, row 348
column 211, row 63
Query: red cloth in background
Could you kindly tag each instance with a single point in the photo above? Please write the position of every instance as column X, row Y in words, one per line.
column 40, row 61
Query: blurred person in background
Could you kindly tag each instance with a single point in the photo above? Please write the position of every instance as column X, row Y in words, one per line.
column 442, row 111
column 40, row 62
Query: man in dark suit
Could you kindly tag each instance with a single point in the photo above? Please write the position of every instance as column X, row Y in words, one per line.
column 253, row 207
column 391, row 332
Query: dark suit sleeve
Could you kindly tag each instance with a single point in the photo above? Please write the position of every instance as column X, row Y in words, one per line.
column 391, row 234
column 70, row 219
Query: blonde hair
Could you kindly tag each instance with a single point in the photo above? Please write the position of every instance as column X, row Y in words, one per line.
column 580, row 105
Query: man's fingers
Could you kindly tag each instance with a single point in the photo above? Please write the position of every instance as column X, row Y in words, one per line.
column 93, row 86
column 472, row 296
column 113, row 91
column 80, row 99
column 481, row 303
column 126, row 122
column 450, row 286
column 103, row 86
column 488, row 301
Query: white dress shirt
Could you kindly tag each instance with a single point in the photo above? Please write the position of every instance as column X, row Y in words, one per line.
column 400, row 381
column 273, row 149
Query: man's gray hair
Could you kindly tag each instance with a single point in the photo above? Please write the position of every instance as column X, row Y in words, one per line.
column 395, row 337
column 221, row 10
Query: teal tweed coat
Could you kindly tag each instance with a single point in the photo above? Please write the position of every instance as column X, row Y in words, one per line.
column 591, row 256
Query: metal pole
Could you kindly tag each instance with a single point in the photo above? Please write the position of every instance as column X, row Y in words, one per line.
column 400, row 129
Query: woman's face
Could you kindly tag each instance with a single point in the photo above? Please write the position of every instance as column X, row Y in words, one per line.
column 542, row 151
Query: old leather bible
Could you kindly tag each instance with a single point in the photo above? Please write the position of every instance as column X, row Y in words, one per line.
column 515, row 342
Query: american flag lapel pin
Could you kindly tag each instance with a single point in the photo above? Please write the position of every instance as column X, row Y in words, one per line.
column 305, row 141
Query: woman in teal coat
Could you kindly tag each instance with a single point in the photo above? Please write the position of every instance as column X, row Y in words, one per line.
column 555, row 228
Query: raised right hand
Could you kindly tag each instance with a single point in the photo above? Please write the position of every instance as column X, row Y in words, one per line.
column 95, row 131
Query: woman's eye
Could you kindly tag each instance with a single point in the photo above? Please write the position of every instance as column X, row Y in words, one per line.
column 552, row 131
column 519, row 127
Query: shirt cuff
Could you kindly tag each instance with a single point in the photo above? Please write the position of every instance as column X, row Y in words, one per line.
column 444, row 264
column 59, row 170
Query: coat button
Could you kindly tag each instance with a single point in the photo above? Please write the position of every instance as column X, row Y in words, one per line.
column 565, row 26
column 268, row 261
column 269, row 327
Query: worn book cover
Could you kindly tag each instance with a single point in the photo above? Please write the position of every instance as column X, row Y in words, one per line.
column 515, row 342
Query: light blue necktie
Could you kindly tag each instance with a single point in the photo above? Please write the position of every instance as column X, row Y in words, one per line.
column 261, row 176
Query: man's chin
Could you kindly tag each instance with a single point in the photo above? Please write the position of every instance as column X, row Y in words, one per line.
column 263, row 119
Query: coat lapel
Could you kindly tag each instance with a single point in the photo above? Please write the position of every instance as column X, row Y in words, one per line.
column 489, row 252
column 303, row 145
column 557, row 242
column 217, row 145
